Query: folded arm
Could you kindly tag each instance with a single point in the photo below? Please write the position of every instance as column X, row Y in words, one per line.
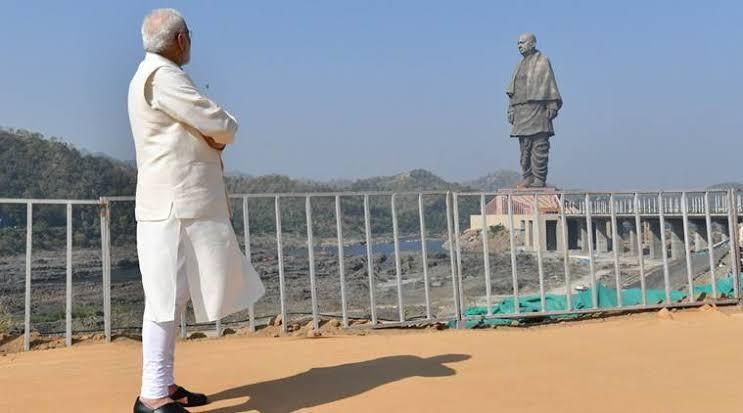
column 174, row 93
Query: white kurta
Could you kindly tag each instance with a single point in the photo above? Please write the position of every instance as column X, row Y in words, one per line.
column 181, row 198
column 220, row 279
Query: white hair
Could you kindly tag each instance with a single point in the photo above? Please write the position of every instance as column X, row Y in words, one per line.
column 160, row 28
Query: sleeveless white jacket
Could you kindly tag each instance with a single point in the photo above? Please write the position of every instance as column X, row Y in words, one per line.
column 177, row 169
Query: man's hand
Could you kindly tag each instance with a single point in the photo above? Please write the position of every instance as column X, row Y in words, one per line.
column 551, row 113
column 214, row 144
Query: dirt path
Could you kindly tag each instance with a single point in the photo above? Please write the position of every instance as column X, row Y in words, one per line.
column 640, row 363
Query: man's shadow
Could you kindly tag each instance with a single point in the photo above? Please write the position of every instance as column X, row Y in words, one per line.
column 327, row 384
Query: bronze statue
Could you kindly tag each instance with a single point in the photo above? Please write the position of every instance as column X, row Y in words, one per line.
column 534, row 102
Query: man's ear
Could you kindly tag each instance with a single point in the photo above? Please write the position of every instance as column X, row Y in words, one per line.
column 182, row 41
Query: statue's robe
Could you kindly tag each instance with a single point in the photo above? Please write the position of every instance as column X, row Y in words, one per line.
column 532, row 91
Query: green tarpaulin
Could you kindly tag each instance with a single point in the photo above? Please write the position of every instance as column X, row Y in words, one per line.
column 607, row 299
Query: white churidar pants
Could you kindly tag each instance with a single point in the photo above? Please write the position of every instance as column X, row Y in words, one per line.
column 180, row 259
column 158, row 339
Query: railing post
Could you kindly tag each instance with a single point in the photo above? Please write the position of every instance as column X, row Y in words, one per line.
column 68, row 281
column 615, row 246
column 486, row 253
column 565, row 252
column 733, row 234
column 341, row 258
column 687, row 248
column 248, row 256
column 457, row 244
column 514, row 267
column 538, row 246
column 29, row 247
column 664, row 252
column 105, row 210
column 424, row 254
column 370, row 260
column 280, row 255
column 710, row 245
column 311, row 256
column 591, row 266
column 640, row 251
column 452, row 261
column 398, row 267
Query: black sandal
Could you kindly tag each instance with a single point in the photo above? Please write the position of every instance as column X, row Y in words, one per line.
column 192, row 399
column 171, row 407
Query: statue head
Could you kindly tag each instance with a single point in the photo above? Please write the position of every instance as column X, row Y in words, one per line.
column 527, row 43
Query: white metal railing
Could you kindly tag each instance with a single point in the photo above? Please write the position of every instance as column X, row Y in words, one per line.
column 68, row 283
column 673, row 203
column 580, row 208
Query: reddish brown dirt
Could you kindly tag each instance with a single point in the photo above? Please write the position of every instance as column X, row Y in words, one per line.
column 686, row 362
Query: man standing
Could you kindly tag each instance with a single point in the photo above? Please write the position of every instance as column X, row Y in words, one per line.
column 534, row 102
column 185, row 242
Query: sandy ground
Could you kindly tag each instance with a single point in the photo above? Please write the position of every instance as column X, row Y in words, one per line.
column 684, row 361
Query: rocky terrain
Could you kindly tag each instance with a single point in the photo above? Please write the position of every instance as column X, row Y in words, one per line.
column 48, row 284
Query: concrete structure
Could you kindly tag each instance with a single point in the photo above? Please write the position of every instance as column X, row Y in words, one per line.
column 655, row 244
column 525, row 219
column 677, row 239
column 602, row 236
column 628, row 238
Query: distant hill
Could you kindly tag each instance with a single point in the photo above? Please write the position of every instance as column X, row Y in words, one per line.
column 272, row 184
column 727, row 185
column 412, row 181
column 32, row 166
column 502, row 178
column 415, row 180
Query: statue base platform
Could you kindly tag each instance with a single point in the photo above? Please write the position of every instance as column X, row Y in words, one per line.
column 542, row 190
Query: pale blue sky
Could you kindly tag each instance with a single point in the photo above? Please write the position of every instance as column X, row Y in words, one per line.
column 351, row 88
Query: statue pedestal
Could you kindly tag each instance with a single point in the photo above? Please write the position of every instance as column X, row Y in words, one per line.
column 547, row 190
column 523, row 200
column 533, row 214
